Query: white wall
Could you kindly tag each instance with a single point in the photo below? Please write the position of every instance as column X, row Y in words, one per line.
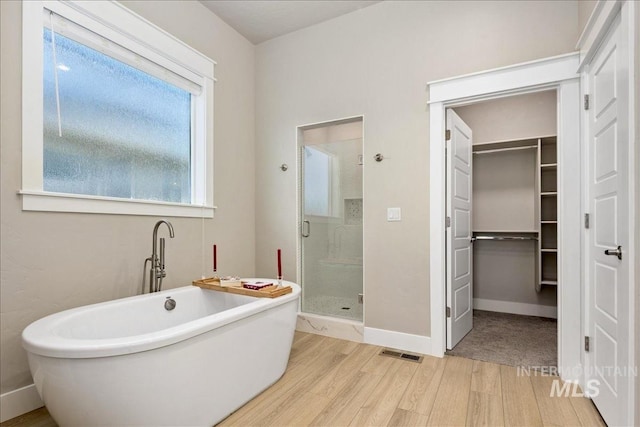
column 376, row 62
column 53, row 261
column 515, row 117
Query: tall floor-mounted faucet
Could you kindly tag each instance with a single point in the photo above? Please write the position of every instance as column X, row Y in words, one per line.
column 157, row 271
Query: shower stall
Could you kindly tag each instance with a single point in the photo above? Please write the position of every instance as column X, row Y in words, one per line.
column 331, row 218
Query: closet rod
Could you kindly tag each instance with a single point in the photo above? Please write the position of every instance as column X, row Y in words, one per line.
column 503, row 238
column 496, row 150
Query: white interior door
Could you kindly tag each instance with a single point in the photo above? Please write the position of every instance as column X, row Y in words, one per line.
column 608, row 358
column 459, row 250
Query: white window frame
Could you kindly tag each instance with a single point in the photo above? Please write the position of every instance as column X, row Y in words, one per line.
column 123, row 27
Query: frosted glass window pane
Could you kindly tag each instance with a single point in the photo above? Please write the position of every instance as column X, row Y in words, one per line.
column 125, row 133
column 317, row 181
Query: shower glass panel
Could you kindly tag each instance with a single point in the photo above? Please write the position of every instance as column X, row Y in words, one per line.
column 331, row 219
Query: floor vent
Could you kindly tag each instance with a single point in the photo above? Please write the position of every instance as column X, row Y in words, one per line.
column 400, row 355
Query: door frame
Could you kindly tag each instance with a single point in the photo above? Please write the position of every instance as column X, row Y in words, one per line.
column 556, row 73
column 300, row 211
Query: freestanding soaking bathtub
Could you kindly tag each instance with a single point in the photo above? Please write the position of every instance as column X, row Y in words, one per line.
column 132, row 362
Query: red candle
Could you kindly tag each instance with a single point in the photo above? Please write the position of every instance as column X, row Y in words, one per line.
column 279, row 264
column 215, row 258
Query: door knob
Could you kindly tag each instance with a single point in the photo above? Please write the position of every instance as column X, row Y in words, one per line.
column 614, row 252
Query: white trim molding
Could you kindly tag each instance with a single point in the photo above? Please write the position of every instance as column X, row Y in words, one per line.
column 62, row 202
column 549, row 311
column 399, row 341
column 558, row 73
column 505, row 79
column 20, row 401
column 570, row 230
column 596, row 28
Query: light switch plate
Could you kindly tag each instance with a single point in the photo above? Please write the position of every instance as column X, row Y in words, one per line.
column 394, row 214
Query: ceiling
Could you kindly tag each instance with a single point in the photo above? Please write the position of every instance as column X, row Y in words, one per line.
column 263, row 20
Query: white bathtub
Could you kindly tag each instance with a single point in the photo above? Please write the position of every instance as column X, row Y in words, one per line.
column 130, row 362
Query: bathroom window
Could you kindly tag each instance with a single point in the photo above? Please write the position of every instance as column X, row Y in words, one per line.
column 120, row 120
column 128, row 136
column 320, row 179
column 317, row 182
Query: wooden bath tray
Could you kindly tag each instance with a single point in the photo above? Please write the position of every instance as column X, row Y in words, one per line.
column 213, row 283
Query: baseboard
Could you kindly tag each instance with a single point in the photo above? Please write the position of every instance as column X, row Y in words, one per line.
column 398, row 340
column 18, row 402
column 516, row 308
column 344, row 329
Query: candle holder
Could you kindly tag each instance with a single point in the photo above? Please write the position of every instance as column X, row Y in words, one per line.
column 215, row 259
column 279, row 252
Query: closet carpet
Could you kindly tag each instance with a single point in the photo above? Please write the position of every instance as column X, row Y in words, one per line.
column 510, row 339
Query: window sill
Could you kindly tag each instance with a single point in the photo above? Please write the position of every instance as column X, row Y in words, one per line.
column 61, row 202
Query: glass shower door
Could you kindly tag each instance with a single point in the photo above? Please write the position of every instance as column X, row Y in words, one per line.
column 331, row 220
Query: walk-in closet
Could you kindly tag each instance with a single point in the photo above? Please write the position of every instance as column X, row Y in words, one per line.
column 514, row 226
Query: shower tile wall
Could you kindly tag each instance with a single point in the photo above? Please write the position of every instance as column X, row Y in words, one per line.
column 353, row 211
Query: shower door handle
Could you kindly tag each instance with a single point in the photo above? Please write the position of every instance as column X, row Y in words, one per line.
column 306, row 233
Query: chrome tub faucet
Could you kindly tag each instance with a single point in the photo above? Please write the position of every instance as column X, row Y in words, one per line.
column 157, row 271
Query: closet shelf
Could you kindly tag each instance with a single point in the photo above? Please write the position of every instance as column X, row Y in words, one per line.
column 501, row 145
column 504, row 238
column 506, row 231
column 548, row 212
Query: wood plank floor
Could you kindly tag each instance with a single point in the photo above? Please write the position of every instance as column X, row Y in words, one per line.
column 330, row 382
